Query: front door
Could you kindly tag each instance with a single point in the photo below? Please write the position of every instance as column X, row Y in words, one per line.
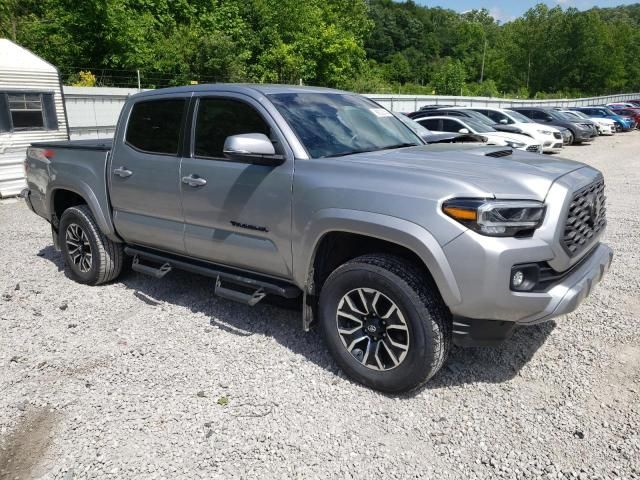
column 143, row 176
column 237, row 214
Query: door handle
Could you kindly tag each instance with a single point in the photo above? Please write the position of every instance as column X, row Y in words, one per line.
column 193, row 181
column 122, row 172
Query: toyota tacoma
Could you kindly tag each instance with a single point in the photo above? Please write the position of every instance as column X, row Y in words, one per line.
column 395, row 248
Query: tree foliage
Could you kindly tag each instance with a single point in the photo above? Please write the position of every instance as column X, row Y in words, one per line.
column 364, row 45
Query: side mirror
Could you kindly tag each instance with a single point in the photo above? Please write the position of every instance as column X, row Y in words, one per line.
column 548, row 118
column 503, row 121
column 253, row 148
column 464, row 130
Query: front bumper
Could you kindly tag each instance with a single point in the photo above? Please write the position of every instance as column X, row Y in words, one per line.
column 482, row 267
column 584, row 135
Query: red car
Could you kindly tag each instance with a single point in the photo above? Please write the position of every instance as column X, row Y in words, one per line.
column 630, row 112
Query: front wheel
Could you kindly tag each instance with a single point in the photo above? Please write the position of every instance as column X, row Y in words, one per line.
column 385, row 323
column 91, row 257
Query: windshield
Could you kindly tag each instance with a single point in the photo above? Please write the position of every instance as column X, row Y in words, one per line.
column 559, row 115
column 478, row 127
column 578, row 114
column 518, row 117
column 334, row 124
column 608, row 111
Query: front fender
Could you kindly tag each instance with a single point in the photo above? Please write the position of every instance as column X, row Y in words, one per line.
column 391, row 229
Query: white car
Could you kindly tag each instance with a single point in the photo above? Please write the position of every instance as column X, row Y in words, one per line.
column 446, row 124
column 606, row 126
column 621, row 105
column 550, row 137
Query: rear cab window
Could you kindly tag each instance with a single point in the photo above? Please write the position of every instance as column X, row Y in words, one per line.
column 154, row 126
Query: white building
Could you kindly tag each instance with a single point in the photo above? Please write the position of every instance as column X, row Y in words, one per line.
column 31, row 110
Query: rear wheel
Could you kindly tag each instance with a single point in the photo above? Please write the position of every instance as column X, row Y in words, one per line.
column 385, row 322
column 92, row 258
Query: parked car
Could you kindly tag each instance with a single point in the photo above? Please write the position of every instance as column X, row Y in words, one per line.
column 396, row 248
column 431, row 137
column 632, row 113
column 605, row 126
column 581, row 132
column 469, row 125
column 623, row 124
column 617, row 105
column 465, row 113
column 550, row 137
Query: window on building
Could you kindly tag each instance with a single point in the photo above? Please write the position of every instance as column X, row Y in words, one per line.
column 26, row 110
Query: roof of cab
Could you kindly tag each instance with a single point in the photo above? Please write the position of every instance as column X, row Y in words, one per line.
column 246, row 88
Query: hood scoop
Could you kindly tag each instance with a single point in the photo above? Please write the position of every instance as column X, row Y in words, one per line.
column 499, row 153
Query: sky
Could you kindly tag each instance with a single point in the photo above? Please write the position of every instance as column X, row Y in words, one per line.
column 505, row 10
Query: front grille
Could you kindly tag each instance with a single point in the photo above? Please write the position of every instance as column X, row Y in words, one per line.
column 587, row 216
column 533, row 148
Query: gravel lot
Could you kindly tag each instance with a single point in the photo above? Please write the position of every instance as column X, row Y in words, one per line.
column 159, row 379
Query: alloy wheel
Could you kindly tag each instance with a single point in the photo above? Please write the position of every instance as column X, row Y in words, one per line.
column 373, row 329
column 79, row 247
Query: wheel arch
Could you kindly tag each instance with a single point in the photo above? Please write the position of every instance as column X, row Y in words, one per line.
column 348, row 233
column 63, row 196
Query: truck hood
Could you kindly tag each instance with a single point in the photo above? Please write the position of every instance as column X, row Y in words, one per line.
column 517, row 175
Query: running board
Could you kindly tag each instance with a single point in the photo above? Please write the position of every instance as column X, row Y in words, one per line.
column 156, row 272
column 238, row 285
column 237, row 295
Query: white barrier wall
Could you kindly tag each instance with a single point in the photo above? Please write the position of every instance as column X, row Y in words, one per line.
column 411, row 103
column 93, row 111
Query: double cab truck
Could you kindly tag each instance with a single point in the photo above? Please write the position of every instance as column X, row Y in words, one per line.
column 396, row 248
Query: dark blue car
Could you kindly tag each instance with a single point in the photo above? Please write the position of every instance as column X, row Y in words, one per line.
column 623, row 123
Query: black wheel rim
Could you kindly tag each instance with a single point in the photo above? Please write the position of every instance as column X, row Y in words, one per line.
column 79, row 247
column 373, row 329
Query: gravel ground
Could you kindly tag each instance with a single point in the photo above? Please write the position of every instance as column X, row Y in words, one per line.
column 159, row 379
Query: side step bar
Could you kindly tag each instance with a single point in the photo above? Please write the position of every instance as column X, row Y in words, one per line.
column 238, row 285
column 159, row 272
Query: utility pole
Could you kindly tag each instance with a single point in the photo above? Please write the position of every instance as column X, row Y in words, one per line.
column 529, row 70
column 484, row 56
column 138, row 71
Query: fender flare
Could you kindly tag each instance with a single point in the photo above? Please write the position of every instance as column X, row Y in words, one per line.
column 392, row 229
column 83, row 190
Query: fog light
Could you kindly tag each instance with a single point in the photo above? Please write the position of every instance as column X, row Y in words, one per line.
column 517, row 279
column 524, row 278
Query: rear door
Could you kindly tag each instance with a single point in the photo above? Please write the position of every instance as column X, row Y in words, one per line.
column 144, row 173
column 240, row 215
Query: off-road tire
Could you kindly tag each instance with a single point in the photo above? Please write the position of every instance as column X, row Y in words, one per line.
column 107, row 256
column 416, row 295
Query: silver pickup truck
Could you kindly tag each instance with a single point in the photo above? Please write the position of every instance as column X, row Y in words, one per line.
column 396, row 248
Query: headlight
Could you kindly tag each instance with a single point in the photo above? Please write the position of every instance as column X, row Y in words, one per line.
column 514, row 144
column 496, row 218
column 545, row 132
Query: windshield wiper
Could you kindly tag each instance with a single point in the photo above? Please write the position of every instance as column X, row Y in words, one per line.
column 369, row 150
column 400, row 145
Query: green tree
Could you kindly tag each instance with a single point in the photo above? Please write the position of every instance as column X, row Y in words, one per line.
column 449, row 78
